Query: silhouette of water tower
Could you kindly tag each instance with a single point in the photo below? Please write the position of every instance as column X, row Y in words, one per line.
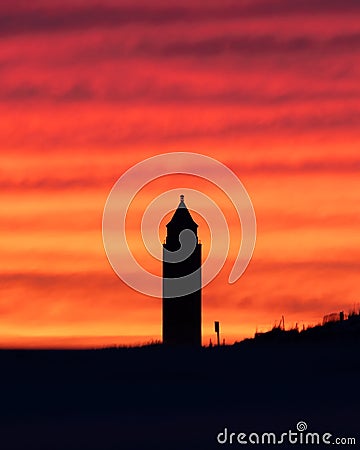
column 181, row 308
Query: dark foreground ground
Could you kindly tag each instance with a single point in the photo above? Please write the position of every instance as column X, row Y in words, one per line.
column 154, row 397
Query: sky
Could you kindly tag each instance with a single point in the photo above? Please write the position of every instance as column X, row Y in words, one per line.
column 89, row 88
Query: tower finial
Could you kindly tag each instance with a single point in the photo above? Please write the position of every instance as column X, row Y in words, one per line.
column 182, row 197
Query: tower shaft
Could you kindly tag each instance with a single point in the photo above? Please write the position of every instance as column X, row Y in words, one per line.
column 181, row 314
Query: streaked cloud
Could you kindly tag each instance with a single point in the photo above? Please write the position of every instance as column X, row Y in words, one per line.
column 40, row 17
column 88, row 88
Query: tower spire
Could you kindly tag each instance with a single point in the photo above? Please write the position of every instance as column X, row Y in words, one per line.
column 181, row 220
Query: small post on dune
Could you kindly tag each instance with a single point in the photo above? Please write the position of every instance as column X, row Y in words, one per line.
column 217, row 331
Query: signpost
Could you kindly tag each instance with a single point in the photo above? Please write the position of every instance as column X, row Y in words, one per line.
column 217, row 331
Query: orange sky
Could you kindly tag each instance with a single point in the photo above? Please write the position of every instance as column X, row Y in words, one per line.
column 270, row 89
